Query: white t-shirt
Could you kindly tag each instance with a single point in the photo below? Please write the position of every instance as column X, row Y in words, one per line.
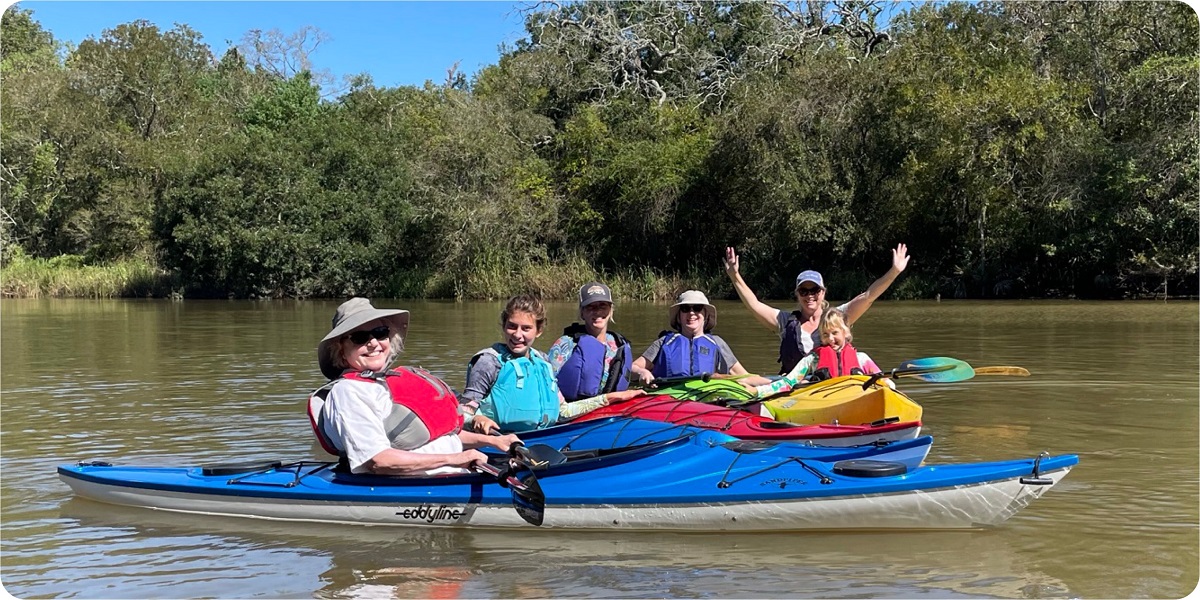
column 354, row 412
column 809, row 341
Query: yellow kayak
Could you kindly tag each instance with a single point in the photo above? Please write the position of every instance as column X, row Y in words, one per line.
column 843, row 400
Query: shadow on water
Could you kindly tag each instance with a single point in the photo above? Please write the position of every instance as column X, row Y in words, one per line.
column 254, row 557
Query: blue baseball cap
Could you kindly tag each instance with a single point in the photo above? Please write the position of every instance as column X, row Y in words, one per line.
column 811, row 276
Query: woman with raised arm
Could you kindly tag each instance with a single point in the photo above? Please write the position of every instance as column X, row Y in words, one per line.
column 799, row 329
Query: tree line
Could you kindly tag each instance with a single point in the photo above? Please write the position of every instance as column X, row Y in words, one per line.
column 1020, row 149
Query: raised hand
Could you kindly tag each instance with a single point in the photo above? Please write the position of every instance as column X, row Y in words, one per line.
column 900, row 258
column 731, row 261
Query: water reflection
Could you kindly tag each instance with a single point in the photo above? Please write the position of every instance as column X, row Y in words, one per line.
column 364, row 562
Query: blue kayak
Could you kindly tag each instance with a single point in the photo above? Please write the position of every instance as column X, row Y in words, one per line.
column 694, row 481
column 617, row 432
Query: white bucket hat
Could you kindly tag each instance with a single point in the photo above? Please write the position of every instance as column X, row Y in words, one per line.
column 352, row 314
column 694, row 297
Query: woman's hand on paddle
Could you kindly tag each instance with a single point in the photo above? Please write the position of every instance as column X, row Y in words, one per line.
column 483, row 424
column 644, row 375
column 625, row 396
column 900, row 258
column 731, row 261
column 504, row 442
column 468, row 459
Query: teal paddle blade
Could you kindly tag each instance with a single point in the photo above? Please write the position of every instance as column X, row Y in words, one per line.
column 935, row 369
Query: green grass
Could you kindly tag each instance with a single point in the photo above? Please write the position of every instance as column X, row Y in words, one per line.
column 68, row 277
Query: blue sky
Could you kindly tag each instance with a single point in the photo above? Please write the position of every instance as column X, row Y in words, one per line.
column 397, row 43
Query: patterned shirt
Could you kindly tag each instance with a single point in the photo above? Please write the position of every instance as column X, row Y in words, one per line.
column 807, row 365
column 561, row 351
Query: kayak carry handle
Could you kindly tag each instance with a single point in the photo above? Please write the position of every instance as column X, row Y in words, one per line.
column 1036, row 478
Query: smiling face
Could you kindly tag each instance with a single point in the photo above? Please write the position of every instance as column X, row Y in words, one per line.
column 595, row 317
column 520, row 330
column 810, row 297
column 371, row 355
column 835, row 337
column 691, row 319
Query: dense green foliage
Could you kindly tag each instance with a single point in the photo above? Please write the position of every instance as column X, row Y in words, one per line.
column 1020, row 149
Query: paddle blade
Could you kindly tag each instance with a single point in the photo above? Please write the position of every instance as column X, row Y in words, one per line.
column 1010, row 371
column 540, row 456
column 529, row 500
column 936, row 369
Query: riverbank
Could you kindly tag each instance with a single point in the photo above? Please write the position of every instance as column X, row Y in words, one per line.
column 68, row 276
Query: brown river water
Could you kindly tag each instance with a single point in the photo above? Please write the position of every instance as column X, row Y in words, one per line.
column 178, row 383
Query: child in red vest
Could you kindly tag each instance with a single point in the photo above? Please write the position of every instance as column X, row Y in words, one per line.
column 833, row 358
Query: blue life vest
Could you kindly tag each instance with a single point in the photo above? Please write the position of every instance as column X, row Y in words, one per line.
column 791, row 347
column 525, row 395
column 681, row 356
column 580, row 375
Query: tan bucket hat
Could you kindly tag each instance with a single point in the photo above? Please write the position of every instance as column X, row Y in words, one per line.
column 352, row 314
column 698, row 298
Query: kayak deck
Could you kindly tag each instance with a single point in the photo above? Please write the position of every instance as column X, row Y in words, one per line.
column 681, row 484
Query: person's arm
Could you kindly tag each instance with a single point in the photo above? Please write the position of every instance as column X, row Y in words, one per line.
column 641, row 369
column 401, row 462
column 570, row 410
column 859, row 305
column 481, row 376
column 729, row 364
column 868, row 364
column 479, row 414
column 354, row 415
column 560, row 350
column 470, row 439
column 643, row 365
column 789, row 381
column 767, row 315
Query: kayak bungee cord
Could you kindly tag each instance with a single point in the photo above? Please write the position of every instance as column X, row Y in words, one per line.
column 725, row 483
column 294, row 467
column 734, row 415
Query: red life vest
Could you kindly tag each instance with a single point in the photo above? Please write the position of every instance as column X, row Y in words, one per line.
column 831, row 363
column 424, row 408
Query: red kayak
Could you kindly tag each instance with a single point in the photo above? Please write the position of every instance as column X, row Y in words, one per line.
column 750, row 426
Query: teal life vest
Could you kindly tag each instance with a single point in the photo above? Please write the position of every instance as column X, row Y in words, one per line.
column 525, row 395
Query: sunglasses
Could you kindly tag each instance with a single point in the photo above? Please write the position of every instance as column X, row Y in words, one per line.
column 361, row 337
column 691, row 308
column 808, row 291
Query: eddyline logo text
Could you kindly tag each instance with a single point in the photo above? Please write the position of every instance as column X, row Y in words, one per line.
column 430, row 514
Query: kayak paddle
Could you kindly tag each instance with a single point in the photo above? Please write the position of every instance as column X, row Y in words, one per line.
column 538, row 456
column 662, row 382
column 935, row 369
column 528, row 498
column 1013, row 371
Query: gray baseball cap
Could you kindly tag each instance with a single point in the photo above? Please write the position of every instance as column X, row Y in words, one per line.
column 594, row 291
